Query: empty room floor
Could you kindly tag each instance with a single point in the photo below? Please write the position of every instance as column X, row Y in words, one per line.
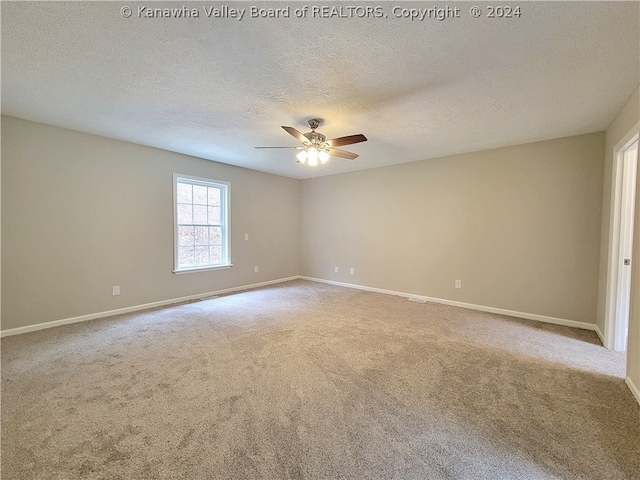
column 308, row 380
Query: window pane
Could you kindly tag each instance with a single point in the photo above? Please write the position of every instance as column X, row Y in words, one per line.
column 202, row 255
column 215, row 236
column 185, row 256
column 184, row 213
column 199, row 195
column 184, row 193
column 201, row 236
column 214, row 196
column 185, row 236
column 201, row 228
column 214, row 215
column 199, row 214
column 215, row 254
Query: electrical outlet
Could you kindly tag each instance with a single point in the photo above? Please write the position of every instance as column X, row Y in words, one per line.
column 246, row 236
column 352, row 270
column 335, row 269
column 458, row 283
column 115, row 290
column 255, row 269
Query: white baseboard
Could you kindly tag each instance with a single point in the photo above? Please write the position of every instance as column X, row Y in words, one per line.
column 599, row 333
column 634, row 389
column 119, row 311
column 482, row 308
column 135, row 308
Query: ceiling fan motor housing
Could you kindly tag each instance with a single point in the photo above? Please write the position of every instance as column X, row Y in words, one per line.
column 315, row 138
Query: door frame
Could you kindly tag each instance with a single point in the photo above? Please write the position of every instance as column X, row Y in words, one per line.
column 612, row 317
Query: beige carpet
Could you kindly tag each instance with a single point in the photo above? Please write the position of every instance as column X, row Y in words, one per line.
column 305, row 380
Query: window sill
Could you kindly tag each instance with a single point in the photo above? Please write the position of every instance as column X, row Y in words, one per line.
column 202, row 269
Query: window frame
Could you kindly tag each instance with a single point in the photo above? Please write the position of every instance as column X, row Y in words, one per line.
column 225, row 207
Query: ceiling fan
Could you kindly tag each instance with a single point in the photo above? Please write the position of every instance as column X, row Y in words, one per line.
column 316, row 148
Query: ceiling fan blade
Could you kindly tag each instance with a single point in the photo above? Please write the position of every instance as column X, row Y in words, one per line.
column 348, row 140
column 336, row 152
column 295, row 133
column 299, row 148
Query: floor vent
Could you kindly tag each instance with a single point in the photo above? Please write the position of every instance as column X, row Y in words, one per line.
column 417, row 300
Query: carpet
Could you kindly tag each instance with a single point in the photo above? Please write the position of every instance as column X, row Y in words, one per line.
column 303, row 380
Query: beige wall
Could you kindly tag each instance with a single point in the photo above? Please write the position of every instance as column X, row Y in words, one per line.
column 81, row 213
column 520, row 226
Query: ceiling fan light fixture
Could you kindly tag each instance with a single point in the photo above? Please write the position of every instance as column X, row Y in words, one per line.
column 323, row 156
column 302, row 156
column 313, row 156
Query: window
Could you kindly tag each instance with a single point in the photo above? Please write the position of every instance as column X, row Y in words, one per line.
column 201, row 225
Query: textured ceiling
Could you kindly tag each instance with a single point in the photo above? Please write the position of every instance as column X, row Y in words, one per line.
column 215, row 88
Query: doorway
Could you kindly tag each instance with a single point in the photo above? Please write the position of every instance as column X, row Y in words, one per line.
column 620, row 260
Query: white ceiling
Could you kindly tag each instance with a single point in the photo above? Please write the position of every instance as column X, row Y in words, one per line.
column 215, row 88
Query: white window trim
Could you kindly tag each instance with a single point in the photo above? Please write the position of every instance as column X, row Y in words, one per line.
column 226, row 234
